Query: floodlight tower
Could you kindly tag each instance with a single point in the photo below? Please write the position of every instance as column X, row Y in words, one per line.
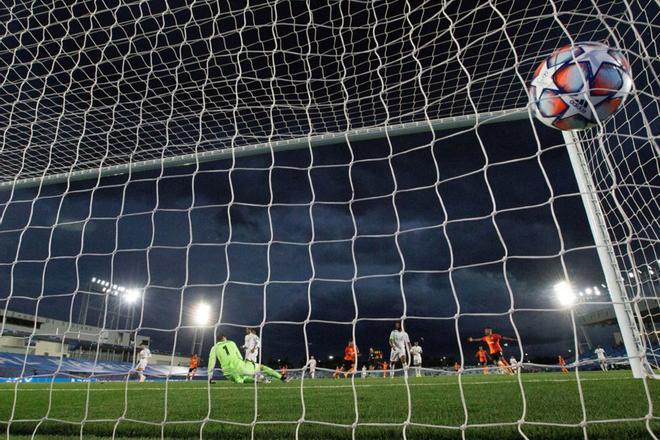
column 201, row 319
column 130, row 298
column 114, row 298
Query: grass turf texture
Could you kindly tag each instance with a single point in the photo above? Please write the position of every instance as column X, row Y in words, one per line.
column 142, row 408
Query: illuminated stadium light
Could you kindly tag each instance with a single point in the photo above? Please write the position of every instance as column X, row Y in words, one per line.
column 597, row 291
column 631, row 275
column 565, row 294
column 202, row 314
column 126, row 294
column 588, row 291
column 331, row 357
column 131, row 296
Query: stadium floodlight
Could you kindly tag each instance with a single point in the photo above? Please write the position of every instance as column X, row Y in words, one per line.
column 565, row 294
column 93, row 279
column 202, row 314
column 132, row 295
column 631, row 275
column 331, row 357
column 588, row 291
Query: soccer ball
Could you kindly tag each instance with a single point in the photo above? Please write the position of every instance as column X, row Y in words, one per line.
column 559, row 94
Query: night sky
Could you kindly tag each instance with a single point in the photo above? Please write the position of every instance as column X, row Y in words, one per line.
column 454, row 231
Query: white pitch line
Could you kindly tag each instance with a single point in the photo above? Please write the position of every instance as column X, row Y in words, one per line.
column 265, row 387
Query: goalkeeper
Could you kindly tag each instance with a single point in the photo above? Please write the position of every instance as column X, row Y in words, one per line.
column 233, row 366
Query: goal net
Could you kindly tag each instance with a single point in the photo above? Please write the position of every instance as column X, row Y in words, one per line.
column 171, row 172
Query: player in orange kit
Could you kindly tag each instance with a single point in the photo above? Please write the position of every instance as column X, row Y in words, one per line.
column 495, row 348
column 562, row 364
column 192, row 366
column 482, row 357
column 350, row 356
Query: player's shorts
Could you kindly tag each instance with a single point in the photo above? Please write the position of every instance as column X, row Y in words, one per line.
column 347, row 364
column 253, row 357
column 396, row 354
column 238, row 373
column 497, row 356
column 192, row 369
column 142, row 365
column 417, row 361
column 482, row 364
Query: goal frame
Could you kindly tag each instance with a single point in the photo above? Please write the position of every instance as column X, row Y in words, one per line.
column 353, row 135
column 625, row 316
column 623, row 310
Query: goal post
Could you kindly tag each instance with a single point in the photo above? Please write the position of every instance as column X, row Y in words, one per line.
column 360, row 134
column 623, row 307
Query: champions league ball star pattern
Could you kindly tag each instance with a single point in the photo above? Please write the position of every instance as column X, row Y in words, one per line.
column 559, row 94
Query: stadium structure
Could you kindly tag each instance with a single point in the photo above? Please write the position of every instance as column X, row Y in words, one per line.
column 38, row 348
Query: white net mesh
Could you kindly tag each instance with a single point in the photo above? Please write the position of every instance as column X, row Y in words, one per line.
column 318, row 172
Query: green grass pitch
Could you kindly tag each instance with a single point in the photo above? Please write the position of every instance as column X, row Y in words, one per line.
column 226, row 410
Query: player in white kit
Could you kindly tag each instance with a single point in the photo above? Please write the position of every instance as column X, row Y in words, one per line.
column 416, row 353
column 513, row 362
column 400, row 347
column 602, row 360
column 142, row 362
column 252, row 345
column 312, row 367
